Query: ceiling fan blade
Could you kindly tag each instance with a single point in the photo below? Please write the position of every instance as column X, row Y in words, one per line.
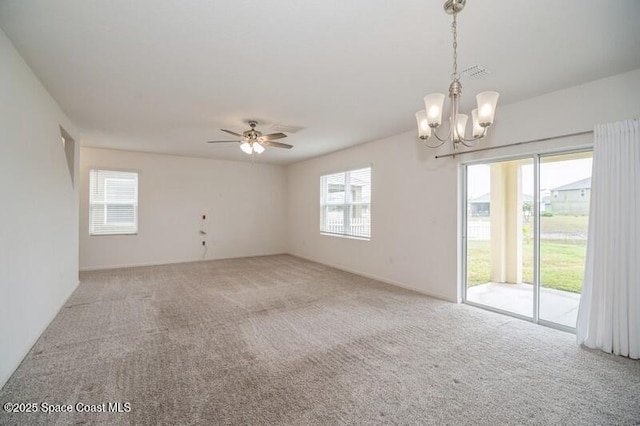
column 222, row 141
column 273, row 136
column 277, row 144
column 232, row 133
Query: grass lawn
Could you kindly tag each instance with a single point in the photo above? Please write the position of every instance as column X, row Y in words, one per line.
column 562, row 264
column 568, row 224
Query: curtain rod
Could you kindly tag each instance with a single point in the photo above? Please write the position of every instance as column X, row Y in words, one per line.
column 515, row 144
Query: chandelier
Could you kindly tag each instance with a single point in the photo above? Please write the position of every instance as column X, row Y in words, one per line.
column 430, row 118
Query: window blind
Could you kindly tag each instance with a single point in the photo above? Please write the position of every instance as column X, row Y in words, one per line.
column 113, row 202
column 345, row 203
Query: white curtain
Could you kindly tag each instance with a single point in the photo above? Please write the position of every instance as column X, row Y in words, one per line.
column 609, row 314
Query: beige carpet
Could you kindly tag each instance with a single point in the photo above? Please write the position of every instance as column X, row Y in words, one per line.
column 279, row 340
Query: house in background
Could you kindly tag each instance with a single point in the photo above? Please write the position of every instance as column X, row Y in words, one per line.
column 480, row 206
column 545, row 200
column 571, row 199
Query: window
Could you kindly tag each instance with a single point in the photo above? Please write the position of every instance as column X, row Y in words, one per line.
column 113, row 202
column 345, row 203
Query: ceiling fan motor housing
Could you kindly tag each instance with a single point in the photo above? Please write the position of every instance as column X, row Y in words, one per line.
column 252, row 133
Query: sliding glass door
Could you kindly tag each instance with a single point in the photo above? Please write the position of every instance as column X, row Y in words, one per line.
column 499, row 245
column 565, row 191
column 525, row 232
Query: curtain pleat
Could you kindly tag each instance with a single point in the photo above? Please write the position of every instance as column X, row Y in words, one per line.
column 609, row 313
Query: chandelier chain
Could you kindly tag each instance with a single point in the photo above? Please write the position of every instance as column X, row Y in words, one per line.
column 454, row 28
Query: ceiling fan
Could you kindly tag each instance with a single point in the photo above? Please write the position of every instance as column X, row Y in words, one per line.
column 252, row 140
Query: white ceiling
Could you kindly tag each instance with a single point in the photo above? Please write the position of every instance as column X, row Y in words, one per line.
column 165, row 75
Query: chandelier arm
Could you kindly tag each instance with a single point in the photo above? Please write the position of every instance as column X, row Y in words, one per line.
column 476, row 138
column 424, row 141
column 434, row 132
column 464, row 141
column 453, row 110
column 453, row 119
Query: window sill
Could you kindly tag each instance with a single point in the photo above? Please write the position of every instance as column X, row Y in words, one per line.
column 113, row 235
column 349, row 237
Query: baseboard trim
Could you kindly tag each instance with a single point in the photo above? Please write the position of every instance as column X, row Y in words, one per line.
column 138, row 265
column 377, row 278
column 5, row 379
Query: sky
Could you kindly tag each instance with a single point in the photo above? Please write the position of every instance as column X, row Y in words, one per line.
column 552, row 175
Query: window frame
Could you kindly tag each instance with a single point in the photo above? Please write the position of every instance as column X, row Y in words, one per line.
column 347, row 205
column 127, row 228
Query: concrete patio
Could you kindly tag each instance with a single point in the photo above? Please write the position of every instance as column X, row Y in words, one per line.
column 556, row 306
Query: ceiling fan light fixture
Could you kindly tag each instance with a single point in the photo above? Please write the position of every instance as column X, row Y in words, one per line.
column 246, row 147
column 258, row 148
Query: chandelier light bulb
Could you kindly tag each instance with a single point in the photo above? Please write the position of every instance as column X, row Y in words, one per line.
column 486, row 107
column 424, row 131
column 461, row 126
column 433, row 105
column 477, row 128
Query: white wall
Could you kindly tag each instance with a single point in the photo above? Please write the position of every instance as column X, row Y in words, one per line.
column 38, row 210
column 411, row 242
column 245, row 205
column 415, row 198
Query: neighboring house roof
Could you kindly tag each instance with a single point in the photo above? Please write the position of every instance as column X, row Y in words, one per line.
column 580, row 184
column 484, row 198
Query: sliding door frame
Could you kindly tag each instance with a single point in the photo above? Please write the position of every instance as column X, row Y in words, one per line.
column 536, row 157
column 537, row 284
